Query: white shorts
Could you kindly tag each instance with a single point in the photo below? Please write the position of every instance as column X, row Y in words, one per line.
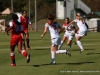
column 69, row 36
column 56, row 41
column 81, row 33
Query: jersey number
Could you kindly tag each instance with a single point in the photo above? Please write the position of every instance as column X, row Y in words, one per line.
column 54, row 27
column 17, row 28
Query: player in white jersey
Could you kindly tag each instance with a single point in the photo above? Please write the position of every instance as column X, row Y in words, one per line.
column 69, row 34
column 55, row 37
column 81, row 31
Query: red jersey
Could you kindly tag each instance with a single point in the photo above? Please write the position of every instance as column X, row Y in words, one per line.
column 24, row 21
column 65, row 24
column 16, row 36
column 16, row 30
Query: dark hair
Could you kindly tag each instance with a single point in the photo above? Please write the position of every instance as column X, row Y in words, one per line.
column 24, row 11
column 15, row 19
column 50, row 17
column 67, row 19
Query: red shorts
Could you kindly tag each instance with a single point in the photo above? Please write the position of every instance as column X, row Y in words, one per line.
column 15, row 39
column 25, row 30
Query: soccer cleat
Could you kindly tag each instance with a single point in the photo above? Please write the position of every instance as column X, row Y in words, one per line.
column 13, row 64
column 29, row 48
column 81, row 51
column 28, row 58
column 67, row 52
column 52, row 63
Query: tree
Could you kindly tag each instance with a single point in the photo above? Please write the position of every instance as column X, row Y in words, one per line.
column 93, row 4
column 19, row 5
column 4, row 4
column 44, row 7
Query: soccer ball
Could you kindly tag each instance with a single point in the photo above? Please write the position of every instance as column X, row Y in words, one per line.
column 18, row 14
column 72, row 33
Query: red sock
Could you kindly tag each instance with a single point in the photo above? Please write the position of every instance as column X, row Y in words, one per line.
column 12, row 56
column 24, row 53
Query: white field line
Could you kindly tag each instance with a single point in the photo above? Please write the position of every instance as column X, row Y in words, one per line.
column 45, row 47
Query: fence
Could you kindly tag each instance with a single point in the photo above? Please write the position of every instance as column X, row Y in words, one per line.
column 94, row 29
column 2, row 25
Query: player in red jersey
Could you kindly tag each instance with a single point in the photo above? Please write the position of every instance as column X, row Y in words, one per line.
column 16, row 39
column 25, row 22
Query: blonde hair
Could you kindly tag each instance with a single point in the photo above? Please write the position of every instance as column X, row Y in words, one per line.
column 79, row 15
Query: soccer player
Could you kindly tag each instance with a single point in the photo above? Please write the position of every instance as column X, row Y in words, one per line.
column 16, row 39
column 81, row 31
column 69, row 34
column 25, row 22
column 55, row 37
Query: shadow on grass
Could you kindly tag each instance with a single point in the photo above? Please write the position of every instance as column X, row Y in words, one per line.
column 92, row 53
column 80, row 63
column 42, row 49
column 89, row 49
column 84, row 50
column 77, row 63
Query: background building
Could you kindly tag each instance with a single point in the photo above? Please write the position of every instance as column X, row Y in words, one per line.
column 68, row 8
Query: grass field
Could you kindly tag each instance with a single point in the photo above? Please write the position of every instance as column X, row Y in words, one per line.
column 87, row 63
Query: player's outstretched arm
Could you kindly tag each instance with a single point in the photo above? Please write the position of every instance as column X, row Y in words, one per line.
column 7, row 31
column 60, row 29
column 70, row 24
column 75, row 29
column 45, row 30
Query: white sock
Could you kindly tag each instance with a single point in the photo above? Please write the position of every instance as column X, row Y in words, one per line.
column 60, row 45
column 80, row 45
column 76, row 35
column 53, row 56
column 60, row 51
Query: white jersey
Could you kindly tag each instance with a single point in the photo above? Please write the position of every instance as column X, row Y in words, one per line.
column 70, row 28
column 64, row 26
column 68, row 33
column 53, row 30
column 81, row 25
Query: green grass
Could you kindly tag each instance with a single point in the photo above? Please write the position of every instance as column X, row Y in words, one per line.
column 87, row 63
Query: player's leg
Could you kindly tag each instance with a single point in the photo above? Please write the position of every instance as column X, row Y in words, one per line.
column 54, row 48
column 63, row 51
column 79, row 43
column 23, row 52
column 27, row 40
column 13, row 43
column 60, row 51
column 23, row 42
column 58, row 41
column 78, row 38
column 63, row 40
column 52, row 55
column 12, row 55
column 69, row 42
